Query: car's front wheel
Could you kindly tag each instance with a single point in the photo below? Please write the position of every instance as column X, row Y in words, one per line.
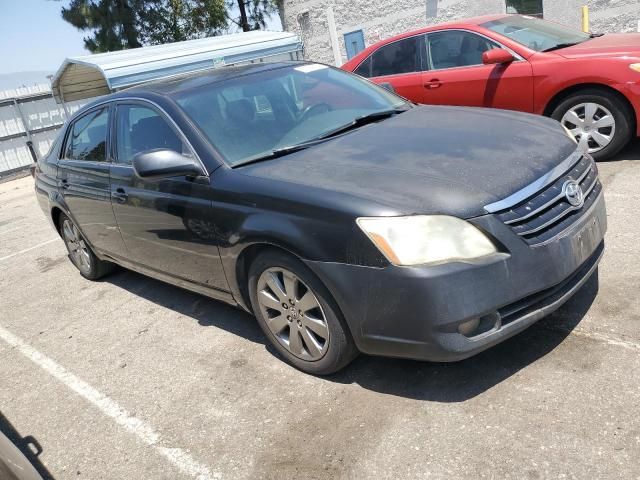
column 80, row 253
column 298, row 314
column 599, row 121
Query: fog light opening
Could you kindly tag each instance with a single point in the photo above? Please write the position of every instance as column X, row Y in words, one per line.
column 467, row 328
column 478, row 326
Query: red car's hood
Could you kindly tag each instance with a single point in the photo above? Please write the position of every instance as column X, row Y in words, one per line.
column 611, row 44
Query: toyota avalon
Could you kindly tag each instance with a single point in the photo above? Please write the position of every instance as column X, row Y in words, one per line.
column 345, row 218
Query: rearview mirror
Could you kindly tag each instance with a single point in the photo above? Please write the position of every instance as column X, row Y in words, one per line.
column 163, row 163
column 497, row 55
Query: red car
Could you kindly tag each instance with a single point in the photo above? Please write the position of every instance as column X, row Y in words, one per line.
column 588, row 82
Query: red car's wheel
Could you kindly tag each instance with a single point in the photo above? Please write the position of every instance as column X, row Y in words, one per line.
column 599, row 121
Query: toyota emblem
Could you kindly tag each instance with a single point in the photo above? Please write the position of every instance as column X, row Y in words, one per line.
column 574, row 193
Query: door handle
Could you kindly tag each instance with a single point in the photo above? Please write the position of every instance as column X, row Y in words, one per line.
column 120, row 195
column 64, row 183
column 433, row 83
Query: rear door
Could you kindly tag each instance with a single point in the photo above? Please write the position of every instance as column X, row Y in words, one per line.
column 167, row 224
column 83, row 179
column 455, row 74
column 399, row 63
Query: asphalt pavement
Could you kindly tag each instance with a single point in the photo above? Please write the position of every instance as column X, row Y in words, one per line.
column 130, row 378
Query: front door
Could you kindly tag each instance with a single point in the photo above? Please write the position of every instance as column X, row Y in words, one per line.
column 83, row 177
column 398, row 63
column 455, row 74
column 166, row 224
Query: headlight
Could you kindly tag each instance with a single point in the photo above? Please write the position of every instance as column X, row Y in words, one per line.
column 635, row 66
column 420, row 239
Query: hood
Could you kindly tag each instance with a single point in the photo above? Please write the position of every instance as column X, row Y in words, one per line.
column 611, row 44
column 429, row 159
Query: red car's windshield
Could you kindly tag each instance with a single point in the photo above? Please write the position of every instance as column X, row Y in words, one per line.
column 536, row 34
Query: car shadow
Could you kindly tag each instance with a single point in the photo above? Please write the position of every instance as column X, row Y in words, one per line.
column 206, row 311
column 630, row 152
column 29, row 446
column 439, row 382
column 461, row 381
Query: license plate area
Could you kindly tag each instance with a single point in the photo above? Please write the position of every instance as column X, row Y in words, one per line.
column 585, row 240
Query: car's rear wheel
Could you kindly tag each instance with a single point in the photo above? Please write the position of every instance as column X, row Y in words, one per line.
column 80, row 253
column 298, row 314
column 599, row 121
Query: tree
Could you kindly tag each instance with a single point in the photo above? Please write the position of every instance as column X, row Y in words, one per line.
column 113, row 23
column 121, row 24
column 253, row 14
column 164, row 21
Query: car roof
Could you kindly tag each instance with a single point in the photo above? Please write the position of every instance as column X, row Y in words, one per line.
column 163, row 88
column 191, row 80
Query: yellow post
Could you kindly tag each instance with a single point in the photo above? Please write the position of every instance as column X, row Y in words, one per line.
column 585, row 19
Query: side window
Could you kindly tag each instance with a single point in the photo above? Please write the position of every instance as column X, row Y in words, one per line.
column 139, row 129
column 87, row 138
column 396, row 58
column 364, row 69
column 456, row 49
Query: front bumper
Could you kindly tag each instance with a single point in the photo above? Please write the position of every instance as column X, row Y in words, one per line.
column 416, row 312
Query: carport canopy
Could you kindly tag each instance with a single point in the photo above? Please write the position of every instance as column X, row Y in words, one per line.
column 90, row 76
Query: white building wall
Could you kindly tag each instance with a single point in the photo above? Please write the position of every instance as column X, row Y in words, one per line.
column 381, row 19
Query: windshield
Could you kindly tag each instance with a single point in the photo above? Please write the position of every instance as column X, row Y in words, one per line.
column 250, row 116
column 536, row 34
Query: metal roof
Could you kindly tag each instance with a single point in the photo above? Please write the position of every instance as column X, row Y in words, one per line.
column 94, row 75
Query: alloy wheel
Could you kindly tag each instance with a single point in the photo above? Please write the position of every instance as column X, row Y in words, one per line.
column 293, row 313
column 77, row 246
column 592, row 125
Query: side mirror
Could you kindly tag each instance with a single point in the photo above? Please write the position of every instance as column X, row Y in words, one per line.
column 163, row 163
column 388, row 86
column 496, row 56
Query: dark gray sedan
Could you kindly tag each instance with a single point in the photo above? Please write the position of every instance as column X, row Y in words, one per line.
column 345, row 218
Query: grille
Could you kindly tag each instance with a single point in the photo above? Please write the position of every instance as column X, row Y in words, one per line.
column 545, row 215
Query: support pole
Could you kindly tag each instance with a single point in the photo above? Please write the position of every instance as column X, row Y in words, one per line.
column 333, row 36
column 585, row 19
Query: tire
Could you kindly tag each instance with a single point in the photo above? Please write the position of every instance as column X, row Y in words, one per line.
column 315, row 354
column 80, row 253
column 620, row 132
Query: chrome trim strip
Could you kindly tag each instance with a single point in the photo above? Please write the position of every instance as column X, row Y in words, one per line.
column 535, row 186
column 560, row 216
column 550, row 202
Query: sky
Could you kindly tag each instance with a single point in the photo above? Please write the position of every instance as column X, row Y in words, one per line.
column 35, row 38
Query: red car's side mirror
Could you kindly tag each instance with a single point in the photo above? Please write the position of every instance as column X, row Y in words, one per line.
column 497, row 55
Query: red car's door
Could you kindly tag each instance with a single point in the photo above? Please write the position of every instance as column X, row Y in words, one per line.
column 455, row 74
column 400, row 64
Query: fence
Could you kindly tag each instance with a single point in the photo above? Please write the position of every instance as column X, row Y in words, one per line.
column 29, row 114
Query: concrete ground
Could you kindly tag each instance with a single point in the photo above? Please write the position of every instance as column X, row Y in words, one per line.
column 129, row 378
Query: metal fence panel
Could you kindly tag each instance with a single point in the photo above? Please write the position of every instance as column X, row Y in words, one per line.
column 29, row 114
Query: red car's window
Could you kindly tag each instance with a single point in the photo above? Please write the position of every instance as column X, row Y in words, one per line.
column 396, row 58
column 456, row 48
column 536, row 34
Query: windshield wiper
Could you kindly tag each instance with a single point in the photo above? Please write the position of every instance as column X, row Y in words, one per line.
column 561, row 45
column 356, row 122
column 362, row 120
column 278, row 152
column 596, row 35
